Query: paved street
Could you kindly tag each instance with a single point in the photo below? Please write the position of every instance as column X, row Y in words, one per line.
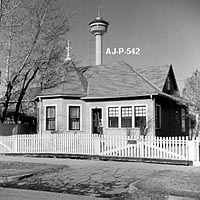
column 19, row 194
column 117, row 180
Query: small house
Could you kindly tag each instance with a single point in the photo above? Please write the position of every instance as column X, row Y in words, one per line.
column 114, row 99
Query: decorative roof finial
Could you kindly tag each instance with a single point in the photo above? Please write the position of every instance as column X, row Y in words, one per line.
column 68, row 51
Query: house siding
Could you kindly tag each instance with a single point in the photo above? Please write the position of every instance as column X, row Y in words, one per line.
column 170, row 116
column 120, row 131
column 171, row 119
column 62, row 116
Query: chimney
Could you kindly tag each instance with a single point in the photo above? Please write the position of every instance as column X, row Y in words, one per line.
column 98, row 27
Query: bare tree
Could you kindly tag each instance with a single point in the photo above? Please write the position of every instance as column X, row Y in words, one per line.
column 33, row 33
column 191, row 91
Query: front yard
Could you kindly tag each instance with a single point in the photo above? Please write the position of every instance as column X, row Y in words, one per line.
column 100, row 179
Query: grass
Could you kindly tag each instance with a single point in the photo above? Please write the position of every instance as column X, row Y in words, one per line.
column 60, row 178
column 170, row 182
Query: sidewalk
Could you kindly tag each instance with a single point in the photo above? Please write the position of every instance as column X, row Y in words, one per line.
column 76, row 163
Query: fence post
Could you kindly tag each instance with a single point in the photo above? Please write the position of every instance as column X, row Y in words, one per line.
column 15, row 141
column 142, row 146
column 191, row 150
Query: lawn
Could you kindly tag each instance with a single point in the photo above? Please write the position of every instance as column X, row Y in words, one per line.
column 100, row 181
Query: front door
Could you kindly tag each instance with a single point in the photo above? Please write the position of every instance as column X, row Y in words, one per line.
column 97, row 121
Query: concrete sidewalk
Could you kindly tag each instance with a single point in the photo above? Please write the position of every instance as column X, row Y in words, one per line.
column 76, row 163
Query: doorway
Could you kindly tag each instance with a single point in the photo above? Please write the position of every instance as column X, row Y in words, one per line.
column 97, row 121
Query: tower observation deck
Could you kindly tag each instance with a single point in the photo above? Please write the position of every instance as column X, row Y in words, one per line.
column 98, row 27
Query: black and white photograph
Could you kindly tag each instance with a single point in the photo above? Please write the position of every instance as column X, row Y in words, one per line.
column 99, row 99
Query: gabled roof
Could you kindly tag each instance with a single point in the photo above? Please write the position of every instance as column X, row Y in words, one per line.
column 158, row 75
column 113, row 80
column 116, row 80
column 72, row 83
column 155, row 74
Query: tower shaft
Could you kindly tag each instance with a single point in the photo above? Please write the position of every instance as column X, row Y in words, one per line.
column 99, row 49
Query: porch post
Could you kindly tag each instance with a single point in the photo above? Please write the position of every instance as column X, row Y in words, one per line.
column 40, row 116
column 154, row 116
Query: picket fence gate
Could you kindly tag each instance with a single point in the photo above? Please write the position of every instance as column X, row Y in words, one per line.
column 173, row 148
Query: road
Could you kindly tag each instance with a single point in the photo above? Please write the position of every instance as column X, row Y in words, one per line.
column 19, row 194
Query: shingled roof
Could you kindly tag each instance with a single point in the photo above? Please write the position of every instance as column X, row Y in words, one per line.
column 72, row 83
column 158, row 75
column 155, row 74
column 116, row 80
column 110, row 81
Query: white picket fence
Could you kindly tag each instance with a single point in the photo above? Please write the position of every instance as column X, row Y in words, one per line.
column 146, row 147
column 50, row 143
column 174, row 148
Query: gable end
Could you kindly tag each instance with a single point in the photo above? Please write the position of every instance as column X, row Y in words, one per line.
column 170, row 86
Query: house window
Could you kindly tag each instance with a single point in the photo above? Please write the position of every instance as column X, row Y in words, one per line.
column 38, row 118
column 74, row 117
column 183, row 120
column 113, row 117
column 158, row 116
column 177, row 115
column 50, row 118
column 126, row 116
column 168, row 83
column 140, row 116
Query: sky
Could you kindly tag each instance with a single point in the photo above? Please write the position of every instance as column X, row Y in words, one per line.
column 165, row 31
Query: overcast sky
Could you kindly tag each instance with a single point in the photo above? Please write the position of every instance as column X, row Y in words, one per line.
column 166, row 31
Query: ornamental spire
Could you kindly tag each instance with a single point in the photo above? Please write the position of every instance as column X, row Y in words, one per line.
column 68, row 51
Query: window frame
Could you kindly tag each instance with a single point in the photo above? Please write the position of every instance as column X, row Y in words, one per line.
column 159, row 117
column 129, row 117
column 38, row 119
column 74, row 118
column 120, row 113
column 183, row 120
column 55, row 117
column 168, row 83
column 118, row 117
column 140, row 105
column 68, row 117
